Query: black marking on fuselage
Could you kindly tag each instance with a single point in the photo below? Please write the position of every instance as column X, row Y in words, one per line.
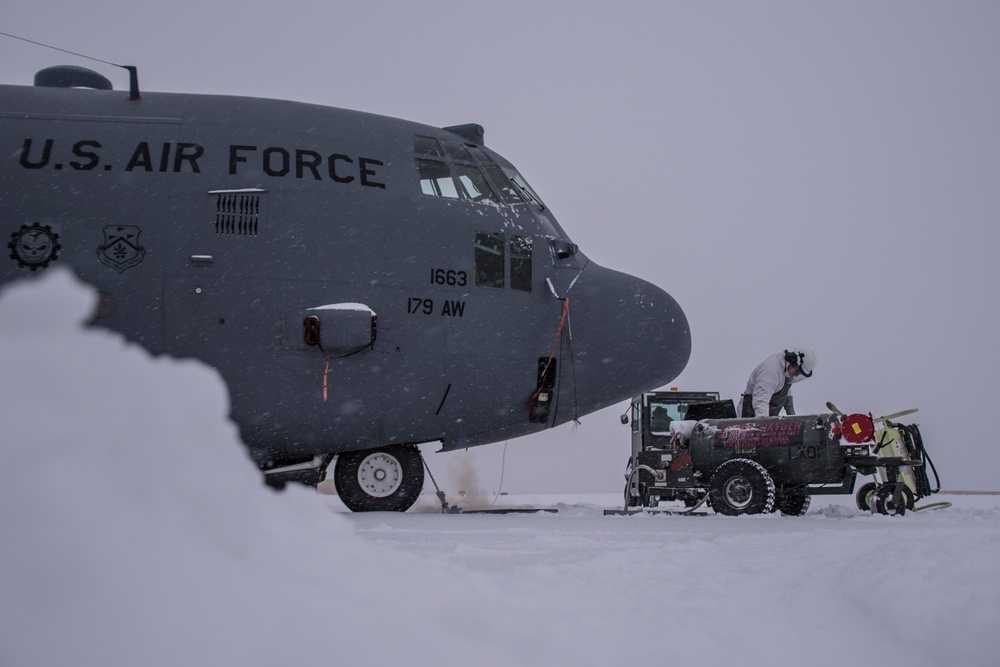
column 443, row 398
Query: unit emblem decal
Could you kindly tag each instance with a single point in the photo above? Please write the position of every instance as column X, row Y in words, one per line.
column 34, row 246
column 121, row 249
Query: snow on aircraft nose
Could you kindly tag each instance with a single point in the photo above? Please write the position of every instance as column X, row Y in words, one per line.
column 628, row 336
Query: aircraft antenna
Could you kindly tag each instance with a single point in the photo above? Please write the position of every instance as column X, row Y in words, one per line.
column 133, row 73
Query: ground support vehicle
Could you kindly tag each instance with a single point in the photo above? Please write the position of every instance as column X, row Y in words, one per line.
column 688, row 446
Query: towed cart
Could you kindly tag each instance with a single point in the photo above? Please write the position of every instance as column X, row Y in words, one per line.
column 690, row 447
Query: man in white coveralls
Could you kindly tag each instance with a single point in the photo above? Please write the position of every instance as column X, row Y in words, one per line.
column 769, row 387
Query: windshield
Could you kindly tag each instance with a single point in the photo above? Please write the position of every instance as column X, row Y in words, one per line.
column 447, row 169
column 522, row 185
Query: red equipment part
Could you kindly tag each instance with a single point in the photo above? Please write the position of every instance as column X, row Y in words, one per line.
column 858, row 428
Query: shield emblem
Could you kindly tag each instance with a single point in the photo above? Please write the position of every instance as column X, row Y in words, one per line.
column 121, row 249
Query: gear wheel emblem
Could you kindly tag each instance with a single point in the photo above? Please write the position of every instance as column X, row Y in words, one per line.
column 34, row 246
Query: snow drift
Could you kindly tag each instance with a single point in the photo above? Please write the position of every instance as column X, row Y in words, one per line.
column 135, row 531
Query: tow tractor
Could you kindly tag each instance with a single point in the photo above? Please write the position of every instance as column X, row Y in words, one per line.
column 690, row 447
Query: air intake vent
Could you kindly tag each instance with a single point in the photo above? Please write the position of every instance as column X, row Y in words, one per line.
column 237, row 213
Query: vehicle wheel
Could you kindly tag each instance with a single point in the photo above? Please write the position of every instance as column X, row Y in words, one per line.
column 793, row 505
column 388, row 479
column 885, row 501
column 864, row 496
column 741, row 486
column 638, row 500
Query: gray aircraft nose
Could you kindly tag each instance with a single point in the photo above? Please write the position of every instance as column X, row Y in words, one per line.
column 628, row 336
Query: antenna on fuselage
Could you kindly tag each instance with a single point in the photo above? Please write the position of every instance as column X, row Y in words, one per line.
column 69, row 82
column 133, row 81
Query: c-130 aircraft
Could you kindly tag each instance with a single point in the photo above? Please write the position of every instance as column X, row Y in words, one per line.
column 363, row 284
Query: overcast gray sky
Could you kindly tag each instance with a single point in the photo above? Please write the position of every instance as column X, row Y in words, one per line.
column 791, row 172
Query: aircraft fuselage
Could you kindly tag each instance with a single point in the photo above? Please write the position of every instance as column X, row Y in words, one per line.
column 357, row 280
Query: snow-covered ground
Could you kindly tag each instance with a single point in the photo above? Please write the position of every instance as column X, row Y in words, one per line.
column 134, row 531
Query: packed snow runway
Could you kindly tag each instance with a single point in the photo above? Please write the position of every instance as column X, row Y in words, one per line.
column 914, row 590
column 135, row 531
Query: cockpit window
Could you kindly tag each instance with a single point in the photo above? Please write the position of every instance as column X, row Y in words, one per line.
column 524, row 188
column 489, row 259
column 435, row 179
column 453, row 170
column 520, row 263
column 479, row 154
column 427, row 146
column 473, row 183
column 507, row 191
column 457, row 151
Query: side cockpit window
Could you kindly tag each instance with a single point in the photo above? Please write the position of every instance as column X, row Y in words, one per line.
column 520, row 263
column 489, row 259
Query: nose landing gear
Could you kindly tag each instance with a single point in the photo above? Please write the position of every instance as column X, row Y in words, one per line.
column 388, row 479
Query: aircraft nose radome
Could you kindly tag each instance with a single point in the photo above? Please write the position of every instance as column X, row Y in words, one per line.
column 629, row 336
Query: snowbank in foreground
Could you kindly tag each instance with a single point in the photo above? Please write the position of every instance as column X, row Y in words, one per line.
column 136, row 532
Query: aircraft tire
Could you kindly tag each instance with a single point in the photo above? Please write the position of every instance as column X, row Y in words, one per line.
column 863, row 497
column 741, row 486
column 386, row 479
